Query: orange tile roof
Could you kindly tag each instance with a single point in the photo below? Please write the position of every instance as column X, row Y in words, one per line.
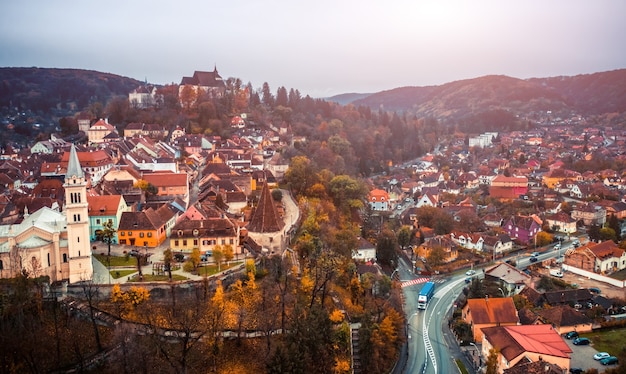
column 513, row 341
column 166, row 179
column 493, row 310
column 105, row 205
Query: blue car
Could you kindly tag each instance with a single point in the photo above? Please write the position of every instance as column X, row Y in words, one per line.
column 581, row 341
column 609, row 360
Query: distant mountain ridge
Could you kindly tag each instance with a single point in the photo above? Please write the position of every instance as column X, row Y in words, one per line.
column 588, row 94
column 46, row 88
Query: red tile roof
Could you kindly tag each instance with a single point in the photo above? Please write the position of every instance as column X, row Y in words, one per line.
column 513, row 341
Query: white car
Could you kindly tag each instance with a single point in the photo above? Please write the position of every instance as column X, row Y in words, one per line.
column 470, row 272
column 600, row 355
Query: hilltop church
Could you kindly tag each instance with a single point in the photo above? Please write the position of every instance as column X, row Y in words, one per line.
column 49, row 242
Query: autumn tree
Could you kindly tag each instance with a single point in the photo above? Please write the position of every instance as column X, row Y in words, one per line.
column 492, row 362
column 188, row 97
column 300, row 175
column 386, row 248
column 218, row 256
column 168, row 262
column 543, row 238
column 404, row 236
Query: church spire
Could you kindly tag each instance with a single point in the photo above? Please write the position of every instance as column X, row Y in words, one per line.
column 265, row 217
column 73, row 166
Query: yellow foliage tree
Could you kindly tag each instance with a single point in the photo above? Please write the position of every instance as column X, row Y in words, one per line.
column 336, row 316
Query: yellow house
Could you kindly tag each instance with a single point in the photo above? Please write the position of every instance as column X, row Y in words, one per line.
column 142, row 229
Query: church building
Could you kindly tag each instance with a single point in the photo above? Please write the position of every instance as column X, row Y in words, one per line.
column 49, row 242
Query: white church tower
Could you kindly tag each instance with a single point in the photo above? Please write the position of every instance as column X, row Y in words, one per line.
column 76, row 213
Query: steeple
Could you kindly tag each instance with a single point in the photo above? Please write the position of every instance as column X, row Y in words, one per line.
column 265, row 217
column 73, row 166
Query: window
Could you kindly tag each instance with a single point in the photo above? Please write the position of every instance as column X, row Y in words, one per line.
column 195, row 242
column 184, row 242
column 98, row 221
column 149, row 235
column 48, row 259
column 231, row 241
column 223, row 241
column 64, row 257
column 122, row 233
column 175, row 243
column 141, row 234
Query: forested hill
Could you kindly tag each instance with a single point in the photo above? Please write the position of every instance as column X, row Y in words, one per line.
column 42, row 89
column 589, row 94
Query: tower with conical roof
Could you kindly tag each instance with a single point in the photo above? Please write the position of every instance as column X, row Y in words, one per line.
column 266, row 226
column 76, row 213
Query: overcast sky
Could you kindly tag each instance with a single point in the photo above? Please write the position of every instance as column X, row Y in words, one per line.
column 320, row 47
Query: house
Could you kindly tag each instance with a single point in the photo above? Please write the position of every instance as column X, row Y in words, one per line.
column 428, row 199
column 537, row 367
column 601, row 258
column 555, row 176
column 523, row 228
column 529, row 342
column 443, row 242
column 589, row 214
column 48, row 242
column 205, row 235
column 512, row 279
column 497, row 245
column 169, row 184
column 569, row 297
column 564, row 319
column 50, row 146
column 99, row 131
column 95, row 164
column 379, row 200
column 470, row 241
column 102, row 209
column 508, row 188
column 561, row 222
column 365, row 251
column 489, row 312
column 143, row 96
column 142, row 229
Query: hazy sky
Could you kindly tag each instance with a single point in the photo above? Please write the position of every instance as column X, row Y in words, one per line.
column 320, row 47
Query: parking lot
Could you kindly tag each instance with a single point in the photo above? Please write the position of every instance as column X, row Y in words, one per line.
column 582, row 357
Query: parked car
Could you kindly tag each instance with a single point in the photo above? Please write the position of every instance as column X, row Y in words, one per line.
column 470, row 272
column 609, row 360
column 581, row 341
column 533, row 259
column 576, row 371
column 595, row 290
column 600, row 355
column 534, row 254
column 571, row 335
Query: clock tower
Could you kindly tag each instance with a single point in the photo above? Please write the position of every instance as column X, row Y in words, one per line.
column 76, row 213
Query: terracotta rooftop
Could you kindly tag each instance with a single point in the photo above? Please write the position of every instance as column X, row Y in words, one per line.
column 563, row 315
column 513, row 341
column 105, row 205
column 492, row 310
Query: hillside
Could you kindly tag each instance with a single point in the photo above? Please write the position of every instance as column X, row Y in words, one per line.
column 589, row 94
column 43, row 89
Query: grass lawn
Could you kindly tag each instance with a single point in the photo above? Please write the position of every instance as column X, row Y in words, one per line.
column 621, row 275
column 121, row 273
column 157, row 278
column 212, row 269
column 117, row 260
column 608, row 341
